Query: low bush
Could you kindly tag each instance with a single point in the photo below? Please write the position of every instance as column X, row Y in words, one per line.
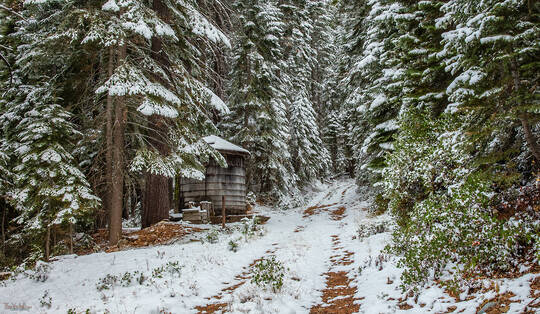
column 461, row 229
column 269, row 273
column 41, row 272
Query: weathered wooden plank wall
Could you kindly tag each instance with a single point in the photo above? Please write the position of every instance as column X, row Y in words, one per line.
column 230, row 182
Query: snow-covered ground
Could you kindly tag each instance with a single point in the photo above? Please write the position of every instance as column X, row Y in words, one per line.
column 179, row 278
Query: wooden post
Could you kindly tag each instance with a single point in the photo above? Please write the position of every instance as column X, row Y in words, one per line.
column 223, row 218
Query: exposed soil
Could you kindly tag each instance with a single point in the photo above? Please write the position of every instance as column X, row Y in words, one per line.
column 163, row 232
column 339, row 295
column 338, row 214
column 498, row 304
column 216, row 306
column 535, row 294
column 310, row 211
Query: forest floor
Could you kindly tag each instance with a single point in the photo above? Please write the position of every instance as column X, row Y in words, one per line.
column 328, row 268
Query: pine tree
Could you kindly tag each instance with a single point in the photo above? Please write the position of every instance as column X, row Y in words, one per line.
column 309, row 156
column 49, row 188
column 492, row 55
column 376, row 85
column 338, row 114
column 257, row 120
column 421, row 118
column 323, row 46
column 160, row 76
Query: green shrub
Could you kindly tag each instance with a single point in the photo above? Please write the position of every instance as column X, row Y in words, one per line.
column 458, row 229
column 233, row 246
column 212, row 236
column 367, row 230
column 269, row 273
column 173, row 268
column 107, row 282
column 251, row 227
column 380, row 204
column 40, row 273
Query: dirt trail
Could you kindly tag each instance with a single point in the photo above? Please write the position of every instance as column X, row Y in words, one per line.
column 214, row 305
column 338, row 296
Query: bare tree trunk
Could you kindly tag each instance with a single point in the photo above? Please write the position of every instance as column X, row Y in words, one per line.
column 70, row 238
column 109, row 141
column 48, row 243
column 523, row 116
column 529, row 136
column 157, row 200
column 117, row 186
column 4, row 210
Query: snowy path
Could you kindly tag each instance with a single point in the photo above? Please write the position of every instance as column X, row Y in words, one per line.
column 329, row 270
column 306, row 249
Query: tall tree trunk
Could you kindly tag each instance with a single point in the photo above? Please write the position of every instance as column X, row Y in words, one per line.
column 117, row 179
column 4, row 210
column 529, row 136
column 109, row 141
column 156, row 200
column 70, row 238
column 524, row 117
column 48, row 243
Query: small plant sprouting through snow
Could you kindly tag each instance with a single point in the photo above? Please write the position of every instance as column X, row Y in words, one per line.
column 367, row 230
column 110, row 281
column 140, row 277
column 251, row 227
column 173, row 268
column 212, row 236
column 269, row 272
column 107, row 282
column 46, row 300
column 233, row 245
column 126, row 279
column 41, row 272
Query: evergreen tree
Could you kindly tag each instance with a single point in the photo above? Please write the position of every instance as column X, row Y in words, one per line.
column 257, row 120
column 309, row 156
column 49, row 188
column 161, row 76
column 423, row 103
column 492, row 55
column 323, row 40
column 375, row 84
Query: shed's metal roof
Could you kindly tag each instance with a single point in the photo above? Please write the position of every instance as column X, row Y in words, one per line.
column 220, row 144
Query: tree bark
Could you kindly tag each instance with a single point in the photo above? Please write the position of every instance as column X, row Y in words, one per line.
column 70, row 238
column 48, row 243
column 4, row 210
column 523, row 116
column 109, row 141
column 157, row 200
column 529, row 136
column 117, row 179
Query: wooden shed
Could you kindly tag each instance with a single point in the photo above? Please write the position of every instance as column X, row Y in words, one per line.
column 229, row 182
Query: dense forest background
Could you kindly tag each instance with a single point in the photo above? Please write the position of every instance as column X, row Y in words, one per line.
column 433, row 106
